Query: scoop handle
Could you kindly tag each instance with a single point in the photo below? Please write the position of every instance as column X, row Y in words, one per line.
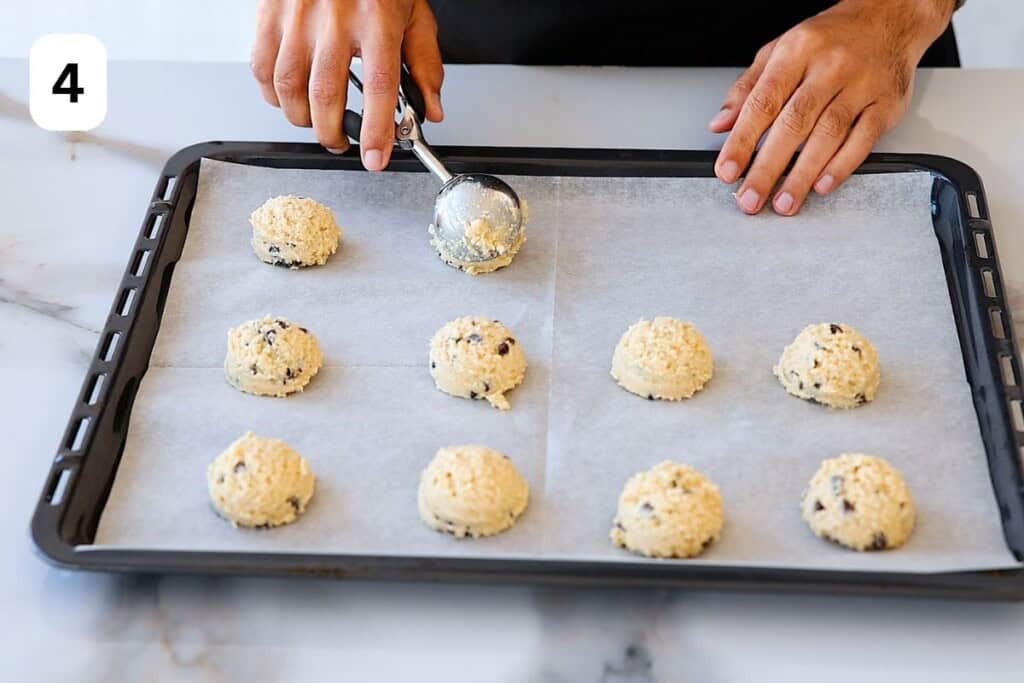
column 351, row 123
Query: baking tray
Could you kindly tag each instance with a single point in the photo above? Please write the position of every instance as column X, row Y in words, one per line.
column 80, row 479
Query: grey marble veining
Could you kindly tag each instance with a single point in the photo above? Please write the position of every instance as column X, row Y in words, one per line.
column 71, row 211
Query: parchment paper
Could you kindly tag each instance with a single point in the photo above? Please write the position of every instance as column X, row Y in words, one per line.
column 601, row 253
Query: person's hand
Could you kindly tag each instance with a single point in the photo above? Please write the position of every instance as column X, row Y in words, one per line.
column 302, row 54
column 834, row 83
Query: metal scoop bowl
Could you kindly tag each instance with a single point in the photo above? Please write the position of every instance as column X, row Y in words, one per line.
column 477, row 217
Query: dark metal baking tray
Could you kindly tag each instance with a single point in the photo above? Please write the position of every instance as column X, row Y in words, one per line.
column 76, row 489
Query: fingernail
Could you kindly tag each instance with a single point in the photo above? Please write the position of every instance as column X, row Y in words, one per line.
column 437, row 101
column 729, row 171
column 784, row 203
column 719, row 118
column 373, row 160
column 336, row 150
column 824, row 184
column 749, row 200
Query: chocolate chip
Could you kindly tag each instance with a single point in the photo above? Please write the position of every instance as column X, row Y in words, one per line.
column 288, row 374
column 433, row 365
column 836, row 329
column 861, row 399
column 239, row 467
column 705, row 544
column 856, row 349
column 879, row 541
column 274, row 249
column 474, row 338
column 674, row 483
column 458, row 339
column 510, row 340
column 817, row 385
column 801, row 386
column 487, row 387
column 618, row 525
column 650, row 397
column 269, row 336
column 818, row 507
column 473, row 394
column 253, row 369
column 291, row 244
column 304, row 330
column 294, row 502
column 287, row 264
column 282, row 324
column 817, row 363
column 848, row 506
column 836, row 481
column 502, row 349
column 646, row 507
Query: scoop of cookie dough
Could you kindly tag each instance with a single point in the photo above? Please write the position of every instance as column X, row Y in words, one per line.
column 260, row 482
column 271, row 357
column 471, row 491
column 294, row 232
column 830, row 364
column 859, row 501
column 664, row 358
column 671, row 510
column 481, row 247
column 477, row 358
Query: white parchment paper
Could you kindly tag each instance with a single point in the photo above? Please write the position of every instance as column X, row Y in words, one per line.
column 601, row 253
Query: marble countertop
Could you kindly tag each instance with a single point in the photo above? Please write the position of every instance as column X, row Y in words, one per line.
column 72, row 204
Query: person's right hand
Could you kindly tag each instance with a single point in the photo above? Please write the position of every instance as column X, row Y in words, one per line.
column 302, row 54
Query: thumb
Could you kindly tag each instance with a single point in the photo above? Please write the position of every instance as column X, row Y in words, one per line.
column 423, row 57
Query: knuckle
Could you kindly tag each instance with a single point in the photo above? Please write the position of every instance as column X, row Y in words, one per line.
column 289, row 82
column 873, row 125
column 835, row 121
column 324, row 92
column 262, row 70
column 380, row 82
column 797, row 118
column 765, row 99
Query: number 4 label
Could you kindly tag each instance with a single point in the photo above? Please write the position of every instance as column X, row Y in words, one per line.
column 68, row 82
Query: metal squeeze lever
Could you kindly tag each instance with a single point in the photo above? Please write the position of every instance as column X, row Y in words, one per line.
column 463, row 198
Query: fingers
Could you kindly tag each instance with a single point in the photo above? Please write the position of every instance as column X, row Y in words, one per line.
column 328, row 88
column 828, row 135
column 794, row 124
column 872, row 123
column 264, row 50
column 381, row 64
column 762, row 106
column 291, row 73
column 739, row 91
column 423, row 56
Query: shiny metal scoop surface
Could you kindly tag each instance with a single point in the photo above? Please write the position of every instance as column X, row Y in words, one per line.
column 471, row 197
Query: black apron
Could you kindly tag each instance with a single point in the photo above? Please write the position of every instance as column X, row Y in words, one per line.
column 633, row 33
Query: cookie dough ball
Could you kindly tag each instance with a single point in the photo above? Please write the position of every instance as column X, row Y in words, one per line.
column 830, row 364
column 271, row 357
column 477, row 358
column 664, row 358
column 260, row 482
column 859, row 501
column 471, row 491
column 479, row 246
column 294, row 232
column 671, row 510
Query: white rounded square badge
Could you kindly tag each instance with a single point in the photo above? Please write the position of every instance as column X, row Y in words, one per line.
column 68, row 81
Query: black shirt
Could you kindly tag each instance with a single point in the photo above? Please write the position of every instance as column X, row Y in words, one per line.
column 633, row 33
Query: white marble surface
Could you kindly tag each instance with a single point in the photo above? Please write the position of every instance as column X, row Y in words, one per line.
column 71, row 209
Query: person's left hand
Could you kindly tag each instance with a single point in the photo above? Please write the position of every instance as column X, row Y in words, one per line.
column 834, row 84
